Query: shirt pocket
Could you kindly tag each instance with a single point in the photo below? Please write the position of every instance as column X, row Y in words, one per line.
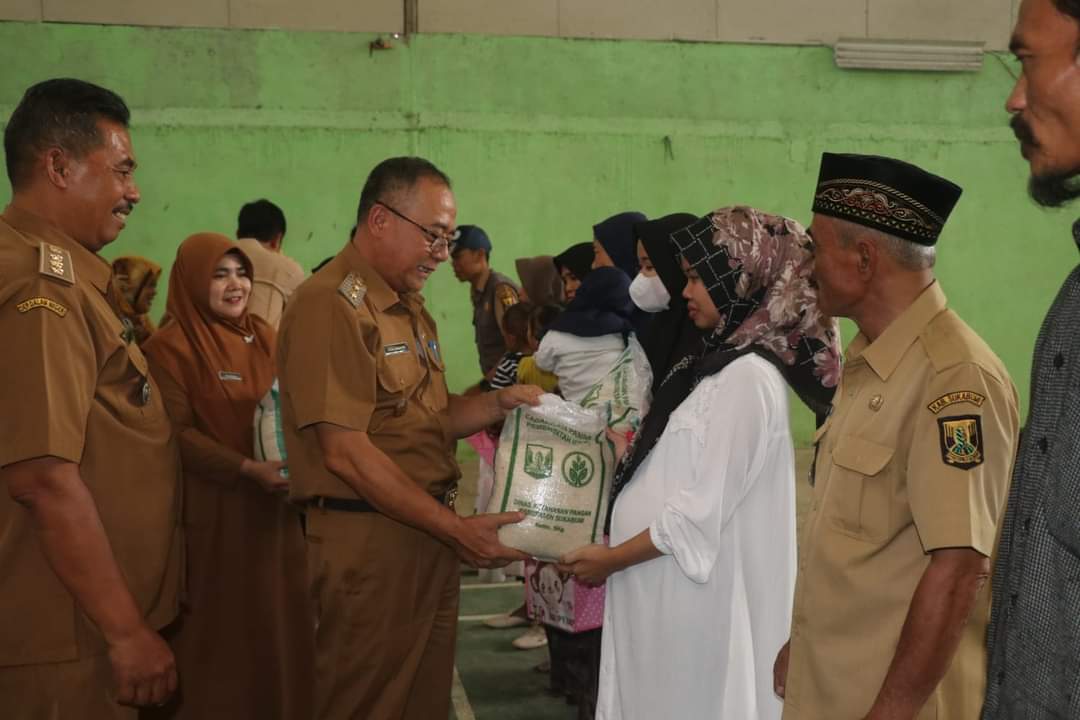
column 859, row 492
column 399, row 374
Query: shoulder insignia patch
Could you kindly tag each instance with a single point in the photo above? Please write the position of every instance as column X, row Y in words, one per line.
column 55, row 262
column 353, row 289
column 41, row 302
column 506, row 296
column 962, row 396
column 961, row 441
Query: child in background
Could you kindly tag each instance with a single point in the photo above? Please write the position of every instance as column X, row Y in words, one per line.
column 586, row 340
column 515, row 330
column 540, row 320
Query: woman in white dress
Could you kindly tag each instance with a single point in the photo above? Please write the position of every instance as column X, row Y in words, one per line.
column 701, row 566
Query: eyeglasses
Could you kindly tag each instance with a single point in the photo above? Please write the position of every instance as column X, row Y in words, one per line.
column 436, row 242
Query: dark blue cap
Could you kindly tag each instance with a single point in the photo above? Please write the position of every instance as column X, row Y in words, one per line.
column 471, row 237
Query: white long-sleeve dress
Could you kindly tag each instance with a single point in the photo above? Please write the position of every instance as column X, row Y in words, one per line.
column 693, row 635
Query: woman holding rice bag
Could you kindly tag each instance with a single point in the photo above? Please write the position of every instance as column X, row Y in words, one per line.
column 586, row 340
column 701, row 567
column 244, row 642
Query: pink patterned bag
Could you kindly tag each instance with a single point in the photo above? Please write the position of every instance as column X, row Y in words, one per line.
column 558, row 600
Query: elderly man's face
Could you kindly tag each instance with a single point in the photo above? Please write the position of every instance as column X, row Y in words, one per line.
column 1045, row 103
column 836, row 269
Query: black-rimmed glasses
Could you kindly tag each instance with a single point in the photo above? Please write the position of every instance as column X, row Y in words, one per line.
column 436, row 242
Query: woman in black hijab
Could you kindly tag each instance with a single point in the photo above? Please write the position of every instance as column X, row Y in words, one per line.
column 615, row 245
column 573, row 265
column 671, row 335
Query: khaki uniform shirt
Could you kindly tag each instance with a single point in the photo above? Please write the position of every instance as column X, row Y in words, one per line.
column 353, row 353
column 916, row 456
column 276, row 278
column 489, row 306
column 76, row 387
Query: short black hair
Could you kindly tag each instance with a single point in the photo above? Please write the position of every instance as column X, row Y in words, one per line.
column 515, row 321
column 394, row 175
column 262, row 220
column 540, row 319
column 1069, row 7
column 62, row 113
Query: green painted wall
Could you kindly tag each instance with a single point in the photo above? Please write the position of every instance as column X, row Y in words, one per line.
column 543, row 137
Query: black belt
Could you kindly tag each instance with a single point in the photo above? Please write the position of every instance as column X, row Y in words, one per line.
column 340, row 504
column 355, row 505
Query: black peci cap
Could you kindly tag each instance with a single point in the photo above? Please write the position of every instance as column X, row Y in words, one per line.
column 889, row 195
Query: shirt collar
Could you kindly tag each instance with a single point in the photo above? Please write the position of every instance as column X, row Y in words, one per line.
column 382, row 296
column 86, row 264
column 884, row 354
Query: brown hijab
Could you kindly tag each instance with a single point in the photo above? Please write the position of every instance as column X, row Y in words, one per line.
column 131, row 290
column 226, row 366
column 540, row 280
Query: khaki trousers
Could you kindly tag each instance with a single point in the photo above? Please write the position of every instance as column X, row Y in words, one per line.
column 386, row 599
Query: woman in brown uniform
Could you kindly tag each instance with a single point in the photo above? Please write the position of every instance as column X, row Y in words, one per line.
column 131, row 292
column 245, row 641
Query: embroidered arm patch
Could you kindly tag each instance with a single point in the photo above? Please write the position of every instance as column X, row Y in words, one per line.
column 962, row 396
column 41, row 302
column 961, row 441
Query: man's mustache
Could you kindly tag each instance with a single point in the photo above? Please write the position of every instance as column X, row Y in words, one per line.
column 1022, row 131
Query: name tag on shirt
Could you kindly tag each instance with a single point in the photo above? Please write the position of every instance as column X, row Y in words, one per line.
column 396, row 349
column 228, row 376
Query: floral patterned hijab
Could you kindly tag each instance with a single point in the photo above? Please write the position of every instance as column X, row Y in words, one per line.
column 757, row 269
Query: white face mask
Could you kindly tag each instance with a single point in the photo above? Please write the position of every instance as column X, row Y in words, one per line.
column 649, row 293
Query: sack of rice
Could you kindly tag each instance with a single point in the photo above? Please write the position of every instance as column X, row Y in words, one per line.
column 554, row 463
column 269, row 435
column 625, row 387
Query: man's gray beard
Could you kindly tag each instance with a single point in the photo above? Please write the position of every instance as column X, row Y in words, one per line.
column 1054, row 189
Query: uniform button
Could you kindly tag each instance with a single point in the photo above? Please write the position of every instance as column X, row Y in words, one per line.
column 1043, row 445
column 1059, row 360
column 1012, row 599
column 1027, row 525
column 1001, row 677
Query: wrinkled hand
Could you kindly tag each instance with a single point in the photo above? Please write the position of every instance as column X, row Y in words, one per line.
column 779, row 670
column 144, row 669
column 621, row 443
column 516, row 395
column 477, row 540
column 591, row 564
column 267, row 474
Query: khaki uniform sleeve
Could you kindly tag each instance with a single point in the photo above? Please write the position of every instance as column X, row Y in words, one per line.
column 505, row 297
column 326, row 366
column 200, row 454
column 961, row 459
column 49, row 371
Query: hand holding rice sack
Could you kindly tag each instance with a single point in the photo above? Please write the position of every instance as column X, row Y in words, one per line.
column 554, row 464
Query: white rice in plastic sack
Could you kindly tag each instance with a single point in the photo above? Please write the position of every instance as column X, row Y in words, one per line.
column 626, row 387
column 555, row 464
column 269, row 434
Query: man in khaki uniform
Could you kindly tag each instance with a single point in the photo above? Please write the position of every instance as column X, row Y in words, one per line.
column 912, row 467
column 491, row 293
column 260, row 232
column 90, row 545
column 370, row 431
